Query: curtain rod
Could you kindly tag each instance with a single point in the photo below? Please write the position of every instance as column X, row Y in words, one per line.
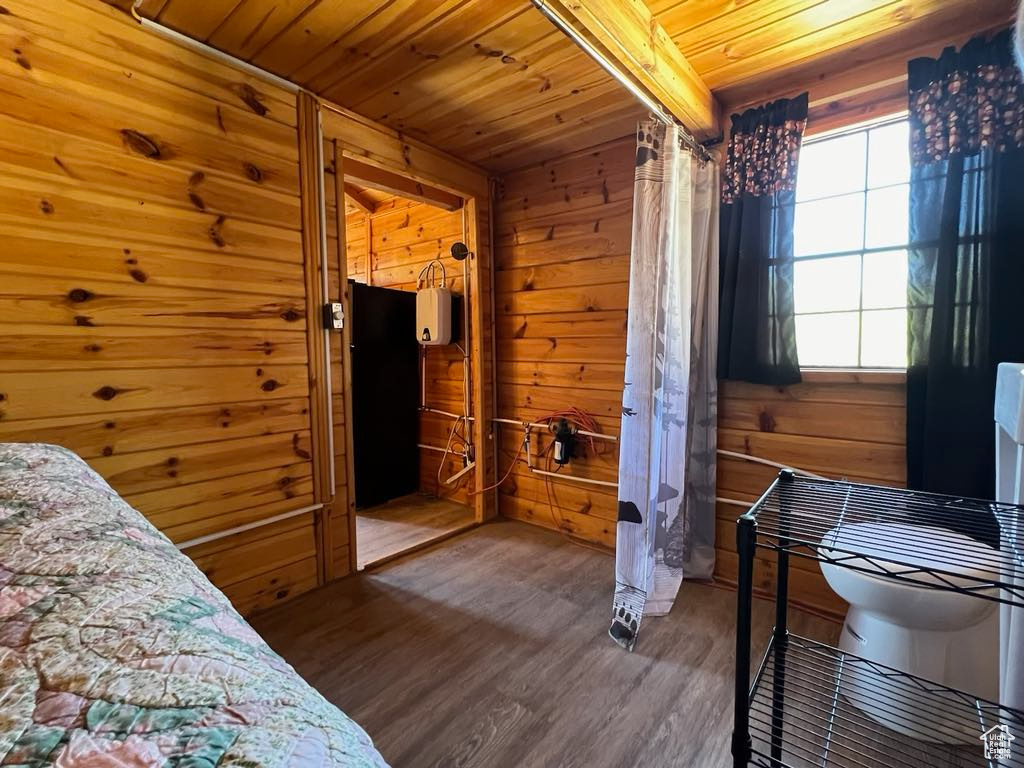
column 657, row 108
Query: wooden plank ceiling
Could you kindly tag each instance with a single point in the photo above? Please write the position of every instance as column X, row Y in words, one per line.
column 493, row 82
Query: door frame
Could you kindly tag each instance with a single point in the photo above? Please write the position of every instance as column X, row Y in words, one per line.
column 356, row 138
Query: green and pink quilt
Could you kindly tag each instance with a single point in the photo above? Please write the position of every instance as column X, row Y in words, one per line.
column 115, row 650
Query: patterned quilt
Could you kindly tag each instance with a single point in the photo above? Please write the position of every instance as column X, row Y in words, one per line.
column 116, row 651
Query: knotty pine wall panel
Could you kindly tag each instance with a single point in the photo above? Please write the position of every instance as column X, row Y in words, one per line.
column 152, row 316
column 389, row 248
column 562, row 261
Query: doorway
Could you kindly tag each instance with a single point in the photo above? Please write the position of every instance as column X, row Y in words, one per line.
column 412, row 469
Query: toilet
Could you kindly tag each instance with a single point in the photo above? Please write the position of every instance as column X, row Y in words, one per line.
column 936, row 634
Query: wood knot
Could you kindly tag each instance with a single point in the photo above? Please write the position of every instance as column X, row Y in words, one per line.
column 22, row 61
column 172, row 461
column 252, row 172
column 78, row 295
column 196, row 200
column 138, row 275
column 196, row 179
column 291, row 315
column 84, row 321
column 109, row 425
column 4, row 11
column 299, row 451
column 93, row 348
column 269, row 385
column 141, row 144
column 252, row 99
column 106, row 393
column 108, row 450
column 46, row 206
column 765, row 421
column 214, row 232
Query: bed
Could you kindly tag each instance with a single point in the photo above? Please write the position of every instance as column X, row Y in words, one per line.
column 115, row 649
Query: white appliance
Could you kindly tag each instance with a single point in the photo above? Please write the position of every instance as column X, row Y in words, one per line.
column 939, row 635
column 433, row 316
column 1009, row 416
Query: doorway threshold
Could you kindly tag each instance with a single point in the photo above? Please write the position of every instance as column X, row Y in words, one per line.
column 405, row 524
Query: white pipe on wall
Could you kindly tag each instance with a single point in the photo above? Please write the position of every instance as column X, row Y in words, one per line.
column 768, row 463
column 212, row 52
column 247, row 527
column 449, row 414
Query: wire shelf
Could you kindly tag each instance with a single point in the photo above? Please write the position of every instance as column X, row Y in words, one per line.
column 813, row 705
column 952, row 543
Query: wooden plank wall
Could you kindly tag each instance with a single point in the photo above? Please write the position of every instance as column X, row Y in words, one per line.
column 397, row 240
column 152, row 290
column 562, row 260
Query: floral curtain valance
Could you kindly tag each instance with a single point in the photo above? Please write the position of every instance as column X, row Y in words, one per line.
column 966, row 101
column 763, row 149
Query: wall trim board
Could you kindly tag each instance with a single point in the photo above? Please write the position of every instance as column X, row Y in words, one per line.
column 314, row 251
column 366, row 141
column 346, row 347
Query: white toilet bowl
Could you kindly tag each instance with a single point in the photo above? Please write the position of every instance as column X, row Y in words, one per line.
column 939, row 635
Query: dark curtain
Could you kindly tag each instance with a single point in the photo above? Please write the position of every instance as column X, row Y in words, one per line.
column 757, row 329
column 966, row 261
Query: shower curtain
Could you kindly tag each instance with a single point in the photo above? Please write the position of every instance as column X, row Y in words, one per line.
column 667, row 444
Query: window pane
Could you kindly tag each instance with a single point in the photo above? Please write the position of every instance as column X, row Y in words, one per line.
column 888, row 221
column 830, row 226
column 884, row 342
column 831, row 167
column 827, row 285
column 885, row 279
column 827, row 340
column 889, row 155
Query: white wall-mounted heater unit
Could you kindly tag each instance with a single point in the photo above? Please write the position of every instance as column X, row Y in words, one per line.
column 434, row 316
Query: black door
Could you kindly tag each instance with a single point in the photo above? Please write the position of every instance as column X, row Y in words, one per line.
column 385, row 396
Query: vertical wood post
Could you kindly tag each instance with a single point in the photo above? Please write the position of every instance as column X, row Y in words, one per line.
column 346, row 351
column 481, row 356
column 311, row 172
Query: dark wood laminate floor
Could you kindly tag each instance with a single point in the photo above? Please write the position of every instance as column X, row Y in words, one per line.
column 490, row 649
column 407, row 523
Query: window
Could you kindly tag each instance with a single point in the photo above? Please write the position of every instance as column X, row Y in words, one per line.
column 850, row 242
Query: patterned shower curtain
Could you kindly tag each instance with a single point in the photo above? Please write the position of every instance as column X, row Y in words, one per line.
column 667, row 444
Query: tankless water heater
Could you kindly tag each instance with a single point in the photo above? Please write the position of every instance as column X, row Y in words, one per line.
column 434, row 316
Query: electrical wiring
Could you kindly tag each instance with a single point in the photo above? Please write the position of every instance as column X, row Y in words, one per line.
column 444, row 458
column 526, row 436
column 428, row 274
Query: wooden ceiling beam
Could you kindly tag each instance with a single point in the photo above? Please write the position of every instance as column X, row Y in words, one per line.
column 630, row 37
column 386, row 181
column 358, row 198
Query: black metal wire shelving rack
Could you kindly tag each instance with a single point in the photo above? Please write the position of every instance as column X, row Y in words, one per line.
column 813, row 705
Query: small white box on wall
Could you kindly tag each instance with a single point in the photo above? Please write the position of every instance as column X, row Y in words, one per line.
column 434, row 316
